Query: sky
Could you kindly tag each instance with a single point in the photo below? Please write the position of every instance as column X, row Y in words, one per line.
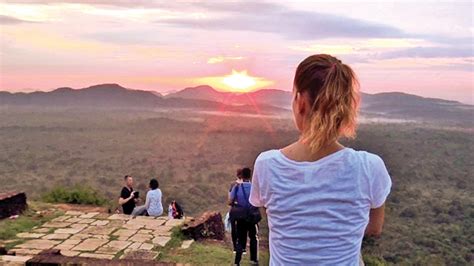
column 423, row 47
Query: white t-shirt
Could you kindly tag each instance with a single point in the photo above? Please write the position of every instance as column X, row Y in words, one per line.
column 318, row 211
column 153, row 202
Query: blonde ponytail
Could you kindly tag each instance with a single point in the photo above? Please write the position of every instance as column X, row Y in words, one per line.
column 332, row 88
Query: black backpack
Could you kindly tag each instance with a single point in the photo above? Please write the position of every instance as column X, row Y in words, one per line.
column 248, row 212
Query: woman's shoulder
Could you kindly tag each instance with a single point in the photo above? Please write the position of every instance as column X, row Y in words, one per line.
column 368, row 159
column 267, row 155
column 153, row 191
column 366, row 156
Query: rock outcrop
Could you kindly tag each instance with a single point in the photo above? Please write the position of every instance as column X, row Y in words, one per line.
column 12, row 203
column 208, row 226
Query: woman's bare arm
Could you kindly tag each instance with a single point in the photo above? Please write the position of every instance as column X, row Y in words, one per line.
column 376, row 220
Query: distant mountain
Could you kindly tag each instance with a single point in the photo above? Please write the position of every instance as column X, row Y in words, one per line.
column 384, row 105
column 408, row 106
column 395, row 105
column 115, row 96
column 277, row 98
column 103, row 95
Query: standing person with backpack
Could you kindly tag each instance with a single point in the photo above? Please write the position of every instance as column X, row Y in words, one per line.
column 233, row 224
column 246, row 217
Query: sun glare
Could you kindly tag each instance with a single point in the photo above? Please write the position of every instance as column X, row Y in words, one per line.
column 236, row 81
column 239, row 80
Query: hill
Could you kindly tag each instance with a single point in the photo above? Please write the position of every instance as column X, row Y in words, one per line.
column 390, row 105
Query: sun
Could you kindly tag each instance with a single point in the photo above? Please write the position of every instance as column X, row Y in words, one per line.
column 239, row 80
column 236, row 81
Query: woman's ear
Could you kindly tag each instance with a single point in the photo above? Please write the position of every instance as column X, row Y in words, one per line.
column 300, row 103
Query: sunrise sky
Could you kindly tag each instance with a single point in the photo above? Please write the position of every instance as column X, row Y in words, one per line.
column 423, row 48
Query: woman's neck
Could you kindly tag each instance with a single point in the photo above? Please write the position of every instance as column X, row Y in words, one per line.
column 301, row 152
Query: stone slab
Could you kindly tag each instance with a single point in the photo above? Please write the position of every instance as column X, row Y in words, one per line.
column 74, row 213
column 99, row 230
column 187, row 243
column 57, row 236
column 8, row 260
column 25, row 251
column 61, row 218
column 174, row 222
column 146, row 246
column 41, row 230
column 69, row 253
column 38, row 244
column 124, row 232
column 97, row 256
column 86, row 221
column 90, row 245
column 29, row 235
column 74, row 220
column 56, row 224
column 79, row 226
column 68, row 230
column 114, row 246
column 80, row 236
column 141, row 238
column 89, row 215
column 119, row 217
column 140, row 254
column 161, row 240
column 100, row 222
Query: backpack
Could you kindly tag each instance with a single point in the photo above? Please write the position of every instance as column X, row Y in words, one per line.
column 248, row 212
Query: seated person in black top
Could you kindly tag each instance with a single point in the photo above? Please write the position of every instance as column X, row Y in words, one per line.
column 127, row 196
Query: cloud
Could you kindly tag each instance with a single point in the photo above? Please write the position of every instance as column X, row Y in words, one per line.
column 220, row 59
column 253, row 16
column 292, row 24
column 429, row 52
column 7, row 20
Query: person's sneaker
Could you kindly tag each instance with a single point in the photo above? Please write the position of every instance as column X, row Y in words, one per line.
column 252, row 262
column 244, row 252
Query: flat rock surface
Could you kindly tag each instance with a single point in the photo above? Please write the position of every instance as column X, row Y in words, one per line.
column 96, row 235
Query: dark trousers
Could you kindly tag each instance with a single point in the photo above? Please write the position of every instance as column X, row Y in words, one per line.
column 233, row 233
column 245, row 229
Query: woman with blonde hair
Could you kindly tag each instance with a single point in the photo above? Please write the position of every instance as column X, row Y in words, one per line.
column 321, row 197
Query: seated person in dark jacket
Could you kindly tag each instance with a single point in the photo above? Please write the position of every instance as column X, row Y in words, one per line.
column 128, row 197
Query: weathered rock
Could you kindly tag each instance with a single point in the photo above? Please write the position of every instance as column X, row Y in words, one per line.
column 113, row 247
column 141, row 237
column 186, row 244
column 25, row 251
column 97, row 256
column 55, row 258
column 100, row 222
column 89, row 245
column 38, row 244
column 174, row 222
column 14, row 260
column 89, row 215
column 29, row 235
column 57, row 236
column 124, row 232
column 208, row 226
column 67, row 230
column 69, row 253
column 56, row 224
column 140, row 254
column 119, row 217
column 99, row 230
column 74, row 213
column 12, row 203
column 161, row 240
